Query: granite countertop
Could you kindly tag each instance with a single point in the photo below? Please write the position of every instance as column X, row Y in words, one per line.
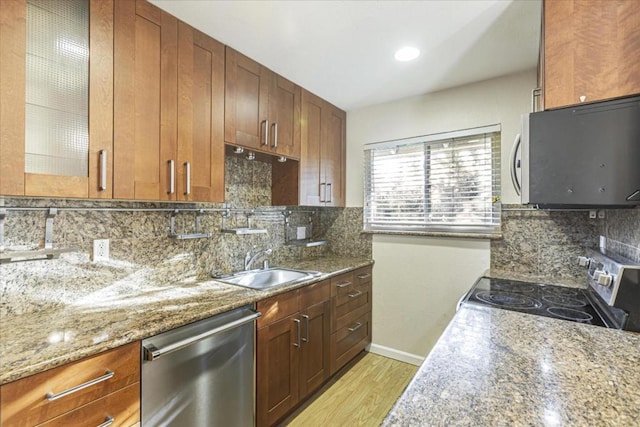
column 129, row 310
column 493, row 367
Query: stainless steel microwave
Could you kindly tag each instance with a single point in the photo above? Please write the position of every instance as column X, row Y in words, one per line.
column 585, row 156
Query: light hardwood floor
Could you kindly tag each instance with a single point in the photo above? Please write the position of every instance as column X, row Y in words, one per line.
column 361, row 397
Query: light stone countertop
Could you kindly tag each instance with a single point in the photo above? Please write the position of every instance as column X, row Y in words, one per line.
column 128, row 310
column 493, row 367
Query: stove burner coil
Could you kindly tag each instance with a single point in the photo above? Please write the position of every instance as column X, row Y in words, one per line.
column 510, row 287
column 570, row 314
column 510, row 300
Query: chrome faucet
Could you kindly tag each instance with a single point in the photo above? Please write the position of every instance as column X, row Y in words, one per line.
column 248, row 258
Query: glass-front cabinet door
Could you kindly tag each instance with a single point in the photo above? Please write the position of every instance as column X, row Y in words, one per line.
column 56, row 98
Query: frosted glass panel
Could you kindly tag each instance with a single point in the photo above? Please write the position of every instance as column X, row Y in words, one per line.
column 57, row 95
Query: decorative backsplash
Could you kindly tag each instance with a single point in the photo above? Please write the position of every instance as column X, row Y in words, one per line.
column 622, row 231
column 546, row 243
column 140, row 246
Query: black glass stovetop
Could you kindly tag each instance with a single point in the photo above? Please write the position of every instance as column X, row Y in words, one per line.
column 535, row 298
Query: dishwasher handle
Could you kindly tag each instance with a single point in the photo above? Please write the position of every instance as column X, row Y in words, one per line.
column 151, row 352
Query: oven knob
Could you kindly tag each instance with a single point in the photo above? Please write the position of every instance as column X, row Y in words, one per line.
column 583, row 261
column 603, row 278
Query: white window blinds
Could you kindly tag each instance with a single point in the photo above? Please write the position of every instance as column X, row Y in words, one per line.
column 445, row 182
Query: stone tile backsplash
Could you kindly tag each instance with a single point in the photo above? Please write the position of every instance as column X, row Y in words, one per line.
column 546, row 243
column 543, row 243
column 140, row 243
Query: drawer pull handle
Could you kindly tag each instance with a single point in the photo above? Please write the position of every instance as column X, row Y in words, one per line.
column 107, row 422
column 51, row 396
column 364, row 276
column 355, row 327
column 355, row 294
column 343, row 284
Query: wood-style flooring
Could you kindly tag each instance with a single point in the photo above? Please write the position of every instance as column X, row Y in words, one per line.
column 361, row 397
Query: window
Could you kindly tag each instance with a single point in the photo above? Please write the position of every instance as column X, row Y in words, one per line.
column 436, row 183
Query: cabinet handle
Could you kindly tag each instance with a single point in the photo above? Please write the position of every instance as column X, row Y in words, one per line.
column 364, row 276
column 275, row 135
column 323, row 189
column 329, row 187
column 343, row 284
column 172, row 176
column 355, row 294
column 187, row 183
column 103, row 170
column 107, row 422
column 306, row 321
column 355, row 327
column 265, row 132
column 298, row 333
column 51, row 396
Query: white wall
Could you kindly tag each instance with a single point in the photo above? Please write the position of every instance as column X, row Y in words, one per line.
column 418, row 280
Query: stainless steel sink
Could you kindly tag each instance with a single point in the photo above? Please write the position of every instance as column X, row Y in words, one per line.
column 268, row 278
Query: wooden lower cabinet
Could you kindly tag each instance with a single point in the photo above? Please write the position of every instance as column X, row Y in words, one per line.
column 292, row 351
column 305, row 336
column 27, row 402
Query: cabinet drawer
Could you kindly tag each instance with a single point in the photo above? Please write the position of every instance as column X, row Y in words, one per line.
column 25, row 402
column 362, row 275
column 342, row 284
column 350, row 340
column 122, row 407
column 315, row 294
column 277, row 307
column 351, row 306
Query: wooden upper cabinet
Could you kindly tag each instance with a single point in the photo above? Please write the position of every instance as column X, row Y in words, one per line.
column 15, row 178
column 169, row 108
column 201, row 70
column 333, row 156
column 145, row 102
column 322, row 162
column 262, row 109
column 591, row 50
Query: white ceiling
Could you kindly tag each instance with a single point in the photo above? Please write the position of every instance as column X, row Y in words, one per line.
column 343, row 50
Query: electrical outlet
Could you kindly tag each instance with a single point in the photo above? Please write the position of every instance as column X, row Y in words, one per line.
column 601, row 214
column 100, row 249
column 592, row 214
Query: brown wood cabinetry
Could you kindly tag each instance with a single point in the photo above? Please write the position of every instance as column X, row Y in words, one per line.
column 350, row 316
column 168, row 104
column 262, row 109
column 29, row 401
column 591, row 50
column 292, row 349
column 319, row 178
column 13, row 177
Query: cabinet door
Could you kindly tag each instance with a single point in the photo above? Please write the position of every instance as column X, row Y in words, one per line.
column 332, row 153
column 145, row 101
column 50, row 173
column 314, row 351
column 246, row 101
column 310, row 160
column 200, row 165
column 284, row 107
column 591, row 50
column 277, row 369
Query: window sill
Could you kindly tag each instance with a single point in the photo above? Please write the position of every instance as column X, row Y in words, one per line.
column 492, row 236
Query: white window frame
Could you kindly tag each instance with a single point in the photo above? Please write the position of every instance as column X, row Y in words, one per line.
column 476, row 216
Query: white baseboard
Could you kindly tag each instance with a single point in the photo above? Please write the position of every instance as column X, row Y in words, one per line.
column 392, row 353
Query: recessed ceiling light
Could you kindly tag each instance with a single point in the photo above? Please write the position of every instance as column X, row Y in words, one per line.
column 407, row 53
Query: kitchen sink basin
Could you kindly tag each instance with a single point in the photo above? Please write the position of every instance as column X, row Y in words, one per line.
column 268, row 278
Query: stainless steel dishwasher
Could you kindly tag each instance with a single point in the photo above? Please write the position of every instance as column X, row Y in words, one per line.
column 201, row 374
